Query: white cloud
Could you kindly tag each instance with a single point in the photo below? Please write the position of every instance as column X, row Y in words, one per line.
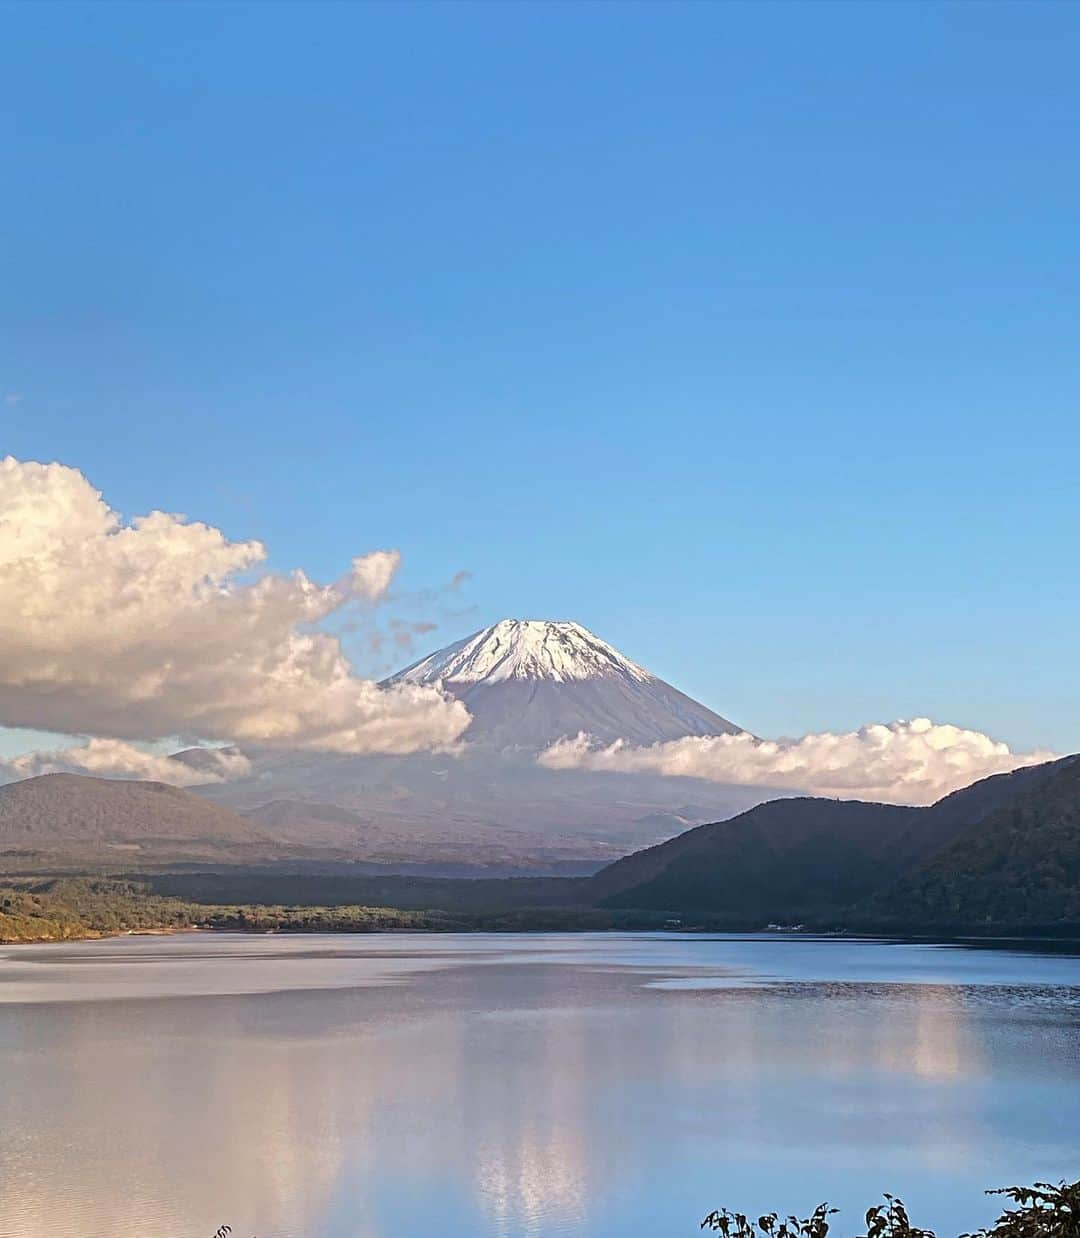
column 373, row 572
column 113, row 758
column 905, row 762
column 143, row 629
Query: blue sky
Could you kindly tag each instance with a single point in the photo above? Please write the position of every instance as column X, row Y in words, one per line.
column 744, row 334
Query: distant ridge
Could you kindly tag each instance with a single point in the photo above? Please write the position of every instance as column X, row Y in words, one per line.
column 95, row 822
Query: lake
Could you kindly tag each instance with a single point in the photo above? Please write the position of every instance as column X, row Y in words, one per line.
column 586, row 1085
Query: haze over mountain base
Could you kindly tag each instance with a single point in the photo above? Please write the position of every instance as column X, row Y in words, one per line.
column 482, row 809
column 491, row 805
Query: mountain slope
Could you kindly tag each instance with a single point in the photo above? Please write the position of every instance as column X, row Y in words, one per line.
column 797, row 857
column 529, row 682
column 1020, row 865
column 783, row 858
column 313, row 824
column 97, row 820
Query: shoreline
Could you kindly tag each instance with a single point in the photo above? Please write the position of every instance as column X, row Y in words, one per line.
column 971, row 941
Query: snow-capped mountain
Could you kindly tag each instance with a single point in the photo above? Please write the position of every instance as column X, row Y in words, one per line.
column 529, row 682
column 523, row 649
column 491, row 805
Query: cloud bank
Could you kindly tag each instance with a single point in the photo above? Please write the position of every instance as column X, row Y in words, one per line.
column 904, row 762
column 154, row 627
column 113, row 758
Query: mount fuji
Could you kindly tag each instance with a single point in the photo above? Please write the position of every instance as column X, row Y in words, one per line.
column 529, row 682
column 490, row 807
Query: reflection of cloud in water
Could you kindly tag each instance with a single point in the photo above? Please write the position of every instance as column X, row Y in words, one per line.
column 868, row 1068
column 830, row 1029
column 529, row 1123
column 934, row 1042
column 173, row 1137
column 534, row 1182
column 515, row 1097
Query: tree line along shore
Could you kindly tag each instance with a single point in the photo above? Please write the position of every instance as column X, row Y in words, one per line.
column 71, row 908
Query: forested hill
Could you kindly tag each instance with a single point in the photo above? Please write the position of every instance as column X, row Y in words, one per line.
column 1018, row 866
column 807, row 858
column 784, row 858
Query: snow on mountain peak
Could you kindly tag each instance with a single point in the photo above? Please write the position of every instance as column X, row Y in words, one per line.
column 524, row 649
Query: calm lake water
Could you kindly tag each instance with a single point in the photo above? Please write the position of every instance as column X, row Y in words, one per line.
column 589, row 1086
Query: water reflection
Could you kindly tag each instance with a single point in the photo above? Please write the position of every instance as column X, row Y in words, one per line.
column 537, row 1086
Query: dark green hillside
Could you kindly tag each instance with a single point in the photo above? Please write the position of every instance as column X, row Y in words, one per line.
column 785, row 858
column 806, row 859
column 932, row 829
column 1021, row 865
